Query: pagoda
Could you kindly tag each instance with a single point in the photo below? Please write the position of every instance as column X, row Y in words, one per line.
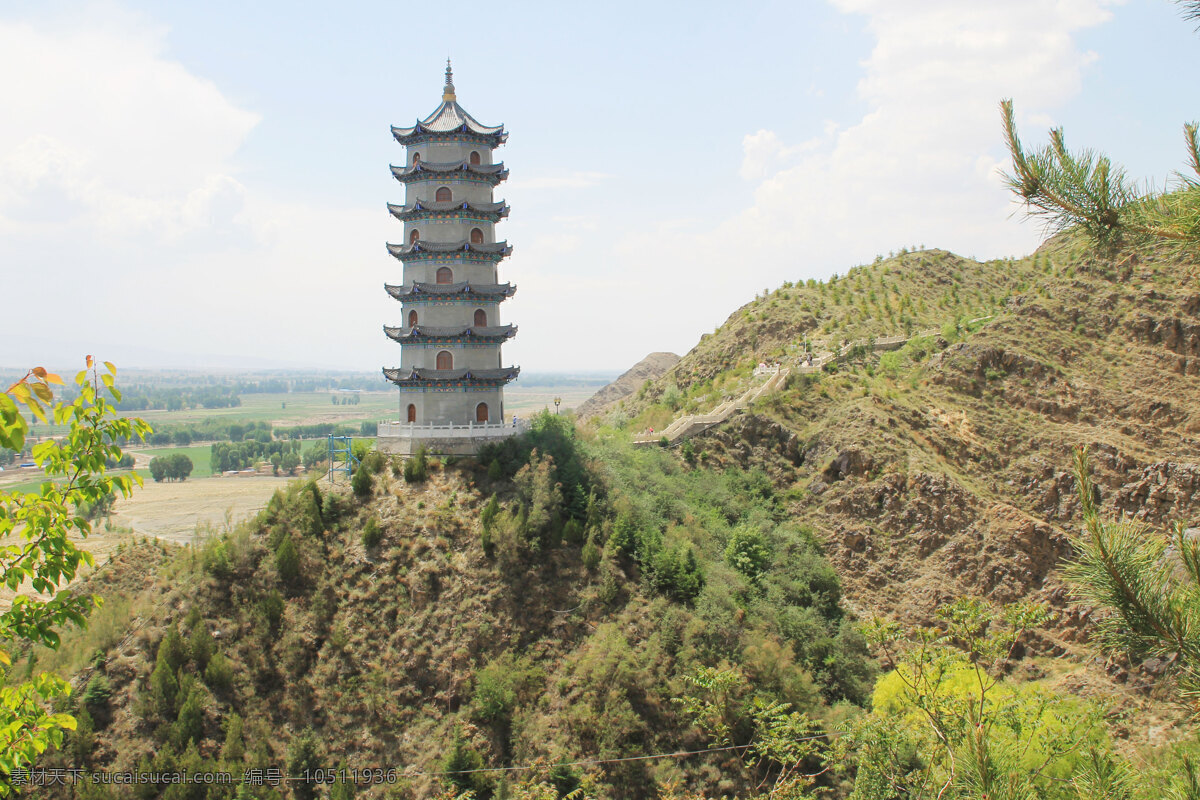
column 451, row 375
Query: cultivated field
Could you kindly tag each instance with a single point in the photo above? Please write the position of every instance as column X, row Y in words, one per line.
column 177, row 511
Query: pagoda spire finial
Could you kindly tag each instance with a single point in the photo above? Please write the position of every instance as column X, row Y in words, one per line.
column 448, row 91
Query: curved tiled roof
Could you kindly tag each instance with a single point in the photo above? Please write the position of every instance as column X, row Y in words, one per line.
column 419, row 332
column 432, row 169
column 419, row 288
column 449, row 117
column 401, row 251
column 413, row 210
column 415, row 374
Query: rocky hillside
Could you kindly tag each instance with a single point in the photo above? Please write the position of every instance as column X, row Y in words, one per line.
column 651, row 367
column 942, row 470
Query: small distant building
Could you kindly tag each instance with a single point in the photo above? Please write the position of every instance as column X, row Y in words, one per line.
column 451, row 376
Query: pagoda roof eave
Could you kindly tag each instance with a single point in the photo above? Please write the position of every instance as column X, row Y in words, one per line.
column 421, row 289
column 421, row 208
column 420, row 134
column 432, row 170
column 449, row 117
column 419, row 376
column 425, row 333
column 421, row 248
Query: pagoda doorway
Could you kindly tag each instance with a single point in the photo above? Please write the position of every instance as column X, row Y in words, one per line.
column 481, row 412
column 412, row 318
column 480, row 318
column 445, row 360
column 412, row 413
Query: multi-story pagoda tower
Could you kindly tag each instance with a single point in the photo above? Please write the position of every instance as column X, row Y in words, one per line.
column 451, row 375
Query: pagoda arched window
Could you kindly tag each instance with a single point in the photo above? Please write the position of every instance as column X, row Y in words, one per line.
column 476, row 236
column 444, row 275
column 412, row 318
column 412, row 237
column 412, row 413
column 480, row 318
column 474, row 157
column 445, row 360
column 443, row 194
column 481, row 412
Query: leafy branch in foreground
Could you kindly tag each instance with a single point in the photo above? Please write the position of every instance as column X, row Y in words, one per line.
column 946, row 724
column 1086, row 189
column 1149, row 582
column 43, row 557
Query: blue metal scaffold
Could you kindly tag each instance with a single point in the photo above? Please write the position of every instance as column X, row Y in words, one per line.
column 341, row 456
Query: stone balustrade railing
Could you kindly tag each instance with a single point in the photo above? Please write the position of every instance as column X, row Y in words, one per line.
column 476, row 430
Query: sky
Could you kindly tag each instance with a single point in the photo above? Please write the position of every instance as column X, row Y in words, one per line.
column 204, row 185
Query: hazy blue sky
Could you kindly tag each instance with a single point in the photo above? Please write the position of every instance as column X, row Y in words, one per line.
column 205, row 183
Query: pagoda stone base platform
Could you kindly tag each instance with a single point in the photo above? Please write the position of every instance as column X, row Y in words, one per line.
column 404, row 439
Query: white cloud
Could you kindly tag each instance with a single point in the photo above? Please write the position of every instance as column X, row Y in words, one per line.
column 922, row 165
column 124, row 140
column 764, row 153
column 118, row 187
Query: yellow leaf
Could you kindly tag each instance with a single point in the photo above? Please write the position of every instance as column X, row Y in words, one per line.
column 37, row 409
column 50, row 377
column 90, row 361
column 5, row 659
column 43, row 392
column 110, row 367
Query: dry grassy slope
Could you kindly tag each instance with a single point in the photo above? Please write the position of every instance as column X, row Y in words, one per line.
column 377, row 651
column 952, row 478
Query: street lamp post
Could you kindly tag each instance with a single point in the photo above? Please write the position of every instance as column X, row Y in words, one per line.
column 557, row 400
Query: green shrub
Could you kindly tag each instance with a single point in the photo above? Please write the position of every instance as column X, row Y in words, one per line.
column 219, row 674
column 494, row 472
column 200, row 645
column 97, row 692
column 889, row 364
column 747, row 552
column 462, row 765
column 488, row 515
column 371, row 534
column 416, row 469
column 215, row 559
column 269, row 613
column 362, row 483
column 374, row 461
column 189, row 725
column 591, row 553
column 573, row 532
column 677, row 574
column 287, row 562
column 234, row 747
column 303, row 755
